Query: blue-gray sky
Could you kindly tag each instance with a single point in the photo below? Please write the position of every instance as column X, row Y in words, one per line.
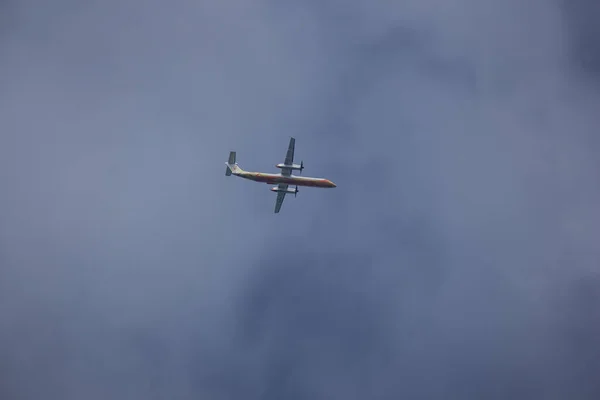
column 457, row 258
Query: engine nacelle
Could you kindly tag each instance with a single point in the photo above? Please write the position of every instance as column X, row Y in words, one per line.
column 291, row 166
column 288, row 190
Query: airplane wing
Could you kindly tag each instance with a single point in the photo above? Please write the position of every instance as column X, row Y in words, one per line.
column 289, row 158
column 280, row 197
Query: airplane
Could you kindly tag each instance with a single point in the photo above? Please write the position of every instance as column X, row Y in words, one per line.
column 282, row 180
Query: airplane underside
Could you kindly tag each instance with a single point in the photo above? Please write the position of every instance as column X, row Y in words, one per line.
column 283, row 180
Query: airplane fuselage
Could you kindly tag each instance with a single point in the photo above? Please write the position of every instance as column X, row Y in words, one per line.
column 275, row 179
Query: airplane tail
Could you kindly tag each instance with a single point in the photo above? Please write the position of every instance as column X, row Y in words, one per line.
column 232, row 166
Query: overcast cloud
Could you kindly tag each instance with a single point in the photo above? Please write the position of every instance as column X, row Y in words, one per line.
column 457, row 258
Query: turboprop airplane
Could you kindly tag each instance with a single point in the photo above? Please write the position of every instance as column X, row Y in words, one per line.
column 282, row 180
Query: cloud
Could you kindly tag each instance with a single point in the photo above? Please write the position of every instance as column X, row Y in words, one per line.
column 455, row 259
column 581, row 18
column 472, row 201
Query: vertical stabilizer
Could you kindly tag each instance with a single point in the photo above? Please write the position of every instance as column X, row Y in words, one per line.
column 232, row 166
column 232, row 155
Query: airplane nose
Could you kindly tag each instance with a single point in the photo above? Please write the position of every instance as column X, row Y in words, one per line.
column 332, row 184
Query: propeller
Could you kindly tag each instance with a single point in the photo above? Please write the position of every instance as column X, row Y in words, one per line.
column 301, row 166
column 296, row 192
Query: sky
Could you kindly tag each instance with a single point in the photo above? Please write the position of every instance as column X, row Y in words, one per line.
column 457, row 257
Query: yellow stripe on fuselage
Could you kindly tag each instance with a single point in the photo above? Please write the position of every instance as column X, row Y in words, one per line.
column 289, row 180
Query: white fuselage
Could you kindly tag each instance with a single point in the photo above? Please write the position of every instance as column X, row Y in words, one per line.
column 283, row 179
